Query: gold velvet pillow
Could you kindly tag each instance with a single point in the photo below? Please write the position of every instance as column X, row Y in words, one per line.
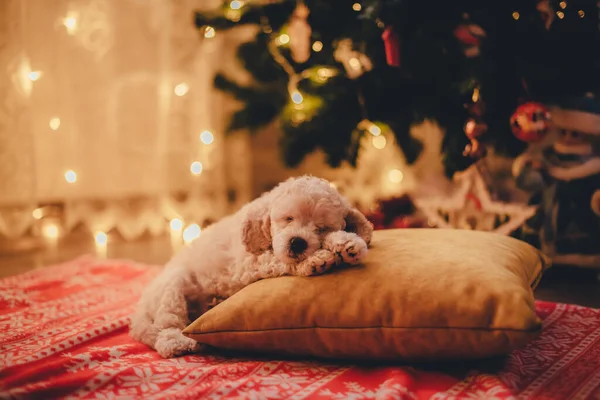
column 421, row 294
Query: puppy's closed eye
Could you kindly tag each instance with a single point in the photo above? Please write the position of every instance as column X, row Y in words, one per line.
column 289, row 219
column 322, row 229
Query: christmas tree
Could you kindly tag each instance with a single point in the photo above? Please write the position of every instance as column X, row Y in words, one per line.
column 332, row 71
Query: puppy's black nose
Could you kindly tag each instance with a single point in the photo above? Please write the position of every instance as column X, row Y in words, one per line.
column 298, row 245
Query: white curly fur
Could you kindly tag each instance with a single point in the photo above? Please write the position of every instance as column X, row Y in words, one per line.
column 252, row 244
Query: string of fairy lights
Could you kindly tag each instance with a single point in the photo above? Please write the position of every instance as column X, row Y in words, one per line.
column 303, row 104
column 378, row 138
column 51, row 229
column 355, row 63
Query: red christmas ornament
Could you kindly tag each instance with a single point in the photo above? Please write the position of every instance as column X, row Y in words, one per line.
column 391, row 41
column 474, row 130
column 530, row 122
column 400, row 223
column 377, row 218
column 394, row 212
column 407, row 221
column 470, row 37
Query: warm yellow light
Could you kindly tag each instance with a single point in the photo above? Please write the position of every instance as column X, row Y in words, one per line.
column 374, row 130
column 233, row 14
column 297, row 98
column 70, row 22
column 354, row 63
column 50, row 231
column 35, row 75
column 207, row 137
column 470, row 126
column 560, row 14
column 379, row 142
column 209, row 32
column 191, row 233
column 176, row 224
column 317, row 46
column 181, row 89
column 196, row 168
column 37, row 213
column 100, row 238
column 581, row 13
column 516, row 15
column 283, row 39
column 325, row 73
column 475, row 96
column 236, row 5
column 563, row 4
column 298, row 117
column 54, row 123
column 70, row 176
column 356, row 7
column 395, row 176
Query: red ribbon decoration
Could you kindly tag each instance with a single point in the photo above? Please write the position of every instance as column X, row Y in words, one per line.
column 391, row 40
column 475, row 200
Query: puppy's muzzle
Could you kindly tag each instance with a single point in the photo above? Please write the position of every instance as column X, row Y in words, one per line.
column 298, row 245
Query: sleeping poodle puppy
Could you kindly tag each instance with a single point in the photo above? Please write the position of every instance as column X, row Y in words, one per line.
column 302, row 227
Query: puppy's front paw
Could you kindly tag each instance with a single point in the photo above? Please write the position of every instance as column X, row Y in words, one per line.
column 347, row 246
column 321, row 261
column 172, row 343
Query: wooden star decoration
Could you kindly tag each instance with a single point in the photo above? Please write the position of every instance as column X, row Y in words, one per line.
column 471, row 207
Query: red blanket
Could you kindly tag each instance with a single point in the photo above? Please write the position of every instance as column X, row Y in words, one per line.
column 63, row 333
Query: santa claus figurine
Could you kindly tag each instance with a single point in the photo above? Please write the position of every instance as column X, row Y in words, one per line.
column 566, row 173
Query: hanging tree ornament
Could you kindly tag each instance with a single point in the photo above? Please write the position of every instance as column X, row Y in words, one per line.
column 355, row 63
column 475, row 107
column 299, row 32
column 530, row 122
column 470, row 37
column 391, row 41
column 474, row 129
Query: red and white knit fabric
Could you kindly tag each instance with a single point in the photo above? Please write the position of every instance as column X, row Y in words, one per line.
column 64, row 334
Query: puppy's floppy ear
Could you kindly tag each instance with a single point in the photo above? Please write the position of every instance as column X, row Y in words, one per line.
column 256, row 227
column 356, row 222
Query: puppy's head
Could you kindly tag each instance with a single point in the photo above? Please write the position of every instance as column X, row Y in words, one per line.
column 296, row 216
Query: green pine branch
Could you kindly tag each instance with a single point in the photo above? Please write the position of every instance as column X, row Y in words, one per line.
column 519, row 60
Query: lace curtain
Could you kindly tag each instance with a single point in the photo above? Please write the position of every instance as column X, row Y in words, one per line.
column 108, row 118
